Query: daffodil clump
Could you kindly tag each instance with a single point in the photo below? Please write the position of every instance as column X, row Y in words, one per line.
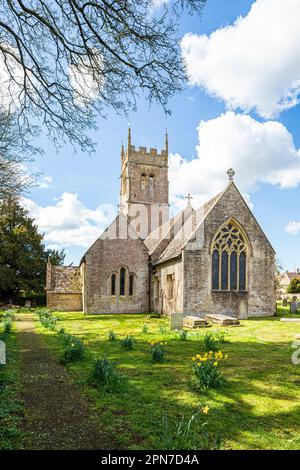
column 157, row 351
column 206, row 373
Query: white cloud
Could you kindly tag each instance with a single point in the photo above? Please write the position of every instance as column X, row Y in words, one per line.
column 254, row 63
column 45, row 182
column 259, row 152
column 68, row 222
column 293, row 228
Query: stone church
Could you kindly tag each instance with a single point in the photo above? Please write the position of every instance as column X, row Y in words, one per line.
column 214, row 259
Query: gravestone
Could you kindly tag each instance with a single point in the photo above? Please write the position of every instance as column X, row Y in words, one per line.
column 176, row 321
column 191, row 321
column 222, row 319
column 294, row 307
column 28, row 303
column 284, row 302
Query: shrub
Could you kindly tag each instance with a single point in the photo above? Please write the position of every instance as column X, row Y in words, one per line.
column 112, row 336
column 47, row 318
column 106, row 375
column 157, row 352
column 7, row 324
column 206, row 373
column 294, row 286
column 127, row 343
column 183, row 335
column 74, row 349
column 145, row 329
column 210, row 342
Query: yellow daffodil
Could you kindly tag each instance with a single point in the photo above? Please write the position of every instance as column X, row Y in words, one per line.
column 205, row 410
column 215, row 364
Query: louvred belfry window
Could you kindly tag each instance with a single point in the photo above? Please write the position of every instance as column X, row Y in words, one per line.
column 229, row 259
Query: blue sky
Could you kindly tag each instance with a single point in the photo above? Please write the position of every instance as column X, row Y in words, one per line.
column 272, row 188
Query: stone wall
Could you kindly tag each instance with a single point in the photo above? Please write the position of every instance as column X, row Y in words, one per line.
column 108, row 256
column 162, row 303
column 68, row 302
column 63, row 287
column 198, row 297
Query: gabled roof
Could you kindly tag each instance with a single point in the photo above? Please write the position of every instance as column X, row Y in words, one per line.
column 186, row 232
column 195, row 221
column 159, row 238
column 119, row 225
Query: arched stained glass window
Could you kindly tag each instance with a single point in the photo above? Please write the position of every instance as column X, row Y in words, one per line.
column 242, row 271
column 131, row 281
column 113, row 285
column 215, row 270
column 122, row 281
column 233, row 271
column 224, row 270
column 229, row 259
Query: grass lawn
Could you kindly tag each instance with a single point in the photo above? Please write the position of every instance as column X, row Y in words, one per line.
column 10, row 406
column 258, row 408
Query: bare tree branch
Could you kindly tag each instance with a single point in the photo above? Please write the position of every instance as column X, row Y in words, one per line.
column 14, row 152
column 65, row 61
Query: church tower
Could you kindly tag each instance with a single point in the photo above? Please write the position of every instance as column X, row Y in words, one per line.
column 144, row 194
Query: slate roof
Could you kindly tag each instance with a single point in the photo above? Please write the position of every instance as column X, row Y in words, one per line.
column 64, row 279
column 157, row 240
column 182, row 237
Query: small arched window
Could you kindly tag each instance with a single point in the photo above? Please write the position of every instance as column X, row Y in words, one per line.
column 144, row 183
column 113, row 285
column 122, row 281
column 229, row 259
column 131, row 283
column 151, row 182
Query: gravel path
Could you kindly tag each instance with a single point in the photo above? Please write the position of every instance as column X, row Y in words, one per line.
column 57, row 414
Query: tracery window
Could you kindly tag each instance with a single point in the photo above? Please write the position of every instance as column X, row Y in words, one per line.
column 229, row 259
column 122, row 281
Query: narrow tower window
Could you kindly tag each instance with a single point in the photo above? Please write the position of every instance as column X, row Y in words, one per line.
column 144, row 183
column 151, row 182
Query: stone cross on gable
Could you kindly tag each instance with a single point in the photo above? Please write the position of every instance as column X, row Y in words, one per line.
column 230, row 174
column 189, row 197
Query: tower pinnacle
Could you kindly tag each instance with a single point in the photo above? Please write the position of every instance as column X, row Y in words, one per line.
column 167, row 142
column 129, row 138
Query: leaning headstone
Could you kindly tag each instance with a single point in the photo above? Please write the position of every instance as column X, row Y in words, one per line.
column 176, row 321
column 294, row 307
column 284, row 302
column 28, row 303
